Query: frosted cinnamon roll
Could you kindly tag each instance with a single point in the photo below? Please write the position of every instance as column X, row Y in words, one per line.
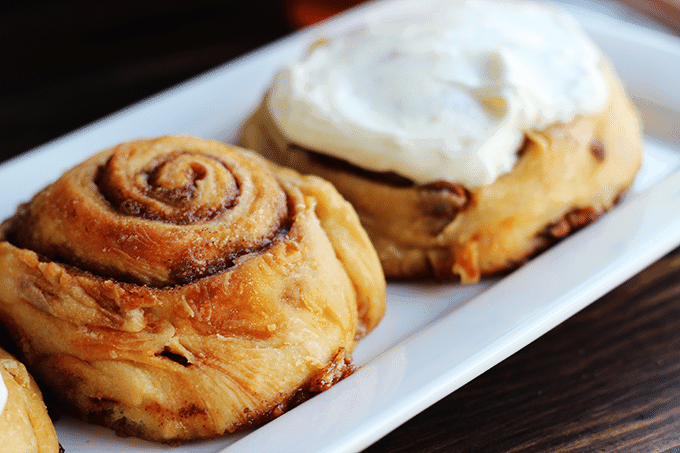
column 468, row 135
column 25, row 425
column 177, row 289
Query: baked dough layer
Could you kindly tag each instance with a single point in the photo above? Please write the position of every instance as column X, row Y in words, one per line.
column 566, row 176
column 25, row 426
column 177, row 288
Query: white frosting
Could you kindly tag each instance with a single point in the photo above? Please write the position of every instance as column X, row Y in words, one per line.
column 3, row 394
column 443, row 95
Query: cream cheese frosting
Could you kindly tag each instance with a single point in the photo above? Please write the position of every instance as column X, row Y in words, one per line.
column 3, row 394
column 448, row 94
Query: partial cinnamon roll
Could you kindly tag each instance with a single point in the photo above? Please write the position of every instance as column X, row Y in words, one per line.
column 25, row 425
column 469, row 135
column 177, row 288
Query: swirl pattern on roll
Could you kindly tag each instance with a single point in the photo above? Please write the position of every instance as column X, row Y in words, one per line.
column 181, row 289
column 207, row 208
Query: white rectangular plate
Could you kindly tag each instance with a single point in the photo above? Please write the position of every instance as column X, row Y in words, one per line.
column 434, row 337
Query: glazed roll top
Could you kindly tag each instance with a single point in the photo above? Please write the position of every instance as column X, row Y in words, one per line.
column 443, row 91
column 469, row 135
column 177, row 288
column 206, row 209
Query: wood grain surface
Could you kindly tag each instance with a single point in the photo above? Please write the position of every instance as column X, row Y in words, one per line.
column 666, row 12
column 607, row 379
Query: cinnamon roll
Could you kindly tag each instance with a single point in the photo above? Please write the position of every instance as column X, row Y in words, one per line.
column 469, row 135
column 177, row 288
column 25, row 425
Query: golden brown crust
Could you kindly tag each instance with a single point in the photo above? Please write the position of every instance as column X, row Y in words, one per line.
column 25, row 425
column 208, row 303
column 452, row 232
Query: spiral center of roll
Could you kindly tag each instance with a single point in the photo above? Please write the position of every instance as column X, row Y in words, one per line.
column 184, row 179
column 180, row 187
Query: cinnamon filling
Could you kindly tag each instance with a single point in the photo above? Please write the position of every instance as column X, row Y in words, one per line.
column 340, row 367
column 597, row 149
column 387, row 177
column 180, row 275
column 169, row 190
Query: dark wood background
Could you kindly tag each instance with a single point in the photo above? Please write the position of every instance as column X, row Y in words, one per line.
column 608, row 379
column 64, row 64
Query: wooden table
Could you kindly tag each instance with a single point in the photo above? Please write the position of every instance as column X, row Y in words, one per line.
column 608, row 379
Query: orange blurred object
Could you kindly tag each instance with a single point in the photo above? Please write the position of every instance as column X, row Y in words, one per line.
column 301, row 13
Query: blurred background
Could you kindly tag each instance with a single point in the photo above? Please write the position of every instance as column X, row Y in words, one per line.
column 65, row 64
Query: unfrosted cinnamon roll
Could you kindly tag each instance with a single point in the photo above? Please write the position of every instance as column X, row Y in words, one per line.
column 25, row 425
column 177, row 288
